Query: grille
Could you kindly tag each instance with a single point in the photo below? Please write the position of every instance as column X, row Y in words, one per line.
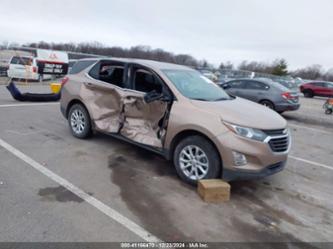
column 279, row 144
column 274, row 132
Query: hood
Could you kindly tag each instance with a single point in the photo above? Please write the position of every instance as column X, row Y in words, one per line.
column 244, row 113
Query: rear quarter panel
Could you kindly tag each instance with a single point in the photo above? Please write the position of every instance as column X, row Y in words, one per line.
column 70, row 91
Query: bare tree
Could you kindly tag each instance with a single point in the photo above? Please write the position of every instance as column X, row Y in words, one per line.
column 226, row 65
column 313, row 72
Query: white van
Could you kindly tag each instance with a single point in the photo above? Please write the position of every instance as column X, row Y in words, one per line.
column 25, row 67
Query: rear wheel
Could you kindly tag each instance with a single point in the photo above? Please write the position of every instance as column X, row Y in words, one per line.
column 308, row 93
column 79, row 121
column 195, row 158
column 267, row 103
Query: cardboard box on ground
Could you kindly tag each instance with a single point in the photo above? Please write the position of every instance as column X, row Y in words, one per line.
column 214, row 190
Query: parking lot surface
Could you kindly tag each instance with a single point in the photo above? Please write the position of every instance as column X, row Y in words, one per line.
column 130, row 193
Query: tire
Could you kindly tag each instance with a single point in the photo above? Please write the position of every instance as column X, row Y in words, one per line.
column 203, row 155
column 268, row 104
column 308, row 93
column 79, row 121
column 328, row 111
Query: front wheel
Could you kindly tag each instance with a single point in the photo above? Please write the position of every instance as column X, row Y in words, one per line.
column 195, row 158
column 79, row 121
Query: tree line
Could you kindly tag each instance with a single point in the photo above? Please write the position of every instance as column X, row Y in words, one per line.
column 139, row 52
column 277, row 67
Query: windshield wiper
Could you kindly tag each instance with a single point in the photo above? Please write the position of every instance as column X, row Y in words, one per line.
column 220, row 99
column 199, row 99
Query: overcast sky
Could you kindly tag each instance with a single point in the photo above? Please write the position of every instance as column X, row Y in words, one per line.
column 217, row 30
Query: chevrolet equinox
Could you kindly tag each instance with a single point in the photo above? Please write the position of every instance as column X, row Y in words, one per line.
column 178, row 113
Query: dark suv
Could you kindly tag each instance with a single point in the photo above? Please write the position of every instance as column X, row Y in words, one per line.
column 311, row 89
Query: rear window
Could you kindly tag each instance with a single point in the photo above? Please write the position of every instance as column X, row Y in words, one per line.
column 287, row 84
column 329, row 85
column 71, row 63
column 321, row 84
column 81, row 65
column 110, row 72
column 281, row 87
column 21, row 61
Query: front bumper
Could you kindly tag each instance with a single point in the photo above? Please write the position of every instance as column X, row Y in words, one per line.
column 261, row 159
column 232, row 175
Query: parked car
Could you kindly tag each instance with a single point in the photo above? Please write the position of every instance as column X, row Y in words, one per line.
column 299, row 81
column 208, row 74
column 25, row 67
column 311, row 89
column 223, row 79
column 288, row 84
column 3, row 71
column 178, row 113
column 264, row 91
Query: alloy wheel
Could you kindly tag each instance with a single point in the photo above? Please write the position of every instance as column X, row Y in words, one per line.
column 78, row 121
column 193, row 162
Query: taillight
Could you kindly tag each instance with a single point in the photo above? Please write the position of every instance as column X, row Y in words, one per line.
column 288, row 96
column 34, row 69
column 64, row 81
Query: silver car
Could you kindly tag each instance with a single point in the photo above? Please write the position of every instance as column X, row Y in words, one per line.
column 264, row 91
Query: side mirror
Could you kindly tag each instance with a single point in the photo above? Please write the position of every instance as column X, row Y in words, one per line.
column 154, row 96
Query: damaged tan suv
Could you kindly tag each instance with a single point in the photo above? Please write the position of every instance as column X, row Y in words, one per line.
column 178, row 113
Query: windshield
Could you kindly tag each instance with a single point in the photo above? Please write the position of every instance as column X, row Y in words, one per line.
column 194, row 85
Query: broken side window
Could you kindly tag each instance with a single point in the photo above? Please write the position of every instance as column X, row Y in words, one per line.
column 145, row 81
column 109, row 72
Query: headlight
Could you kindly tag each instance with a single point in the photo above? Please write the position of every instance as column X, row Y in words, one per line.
column 250, row 133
